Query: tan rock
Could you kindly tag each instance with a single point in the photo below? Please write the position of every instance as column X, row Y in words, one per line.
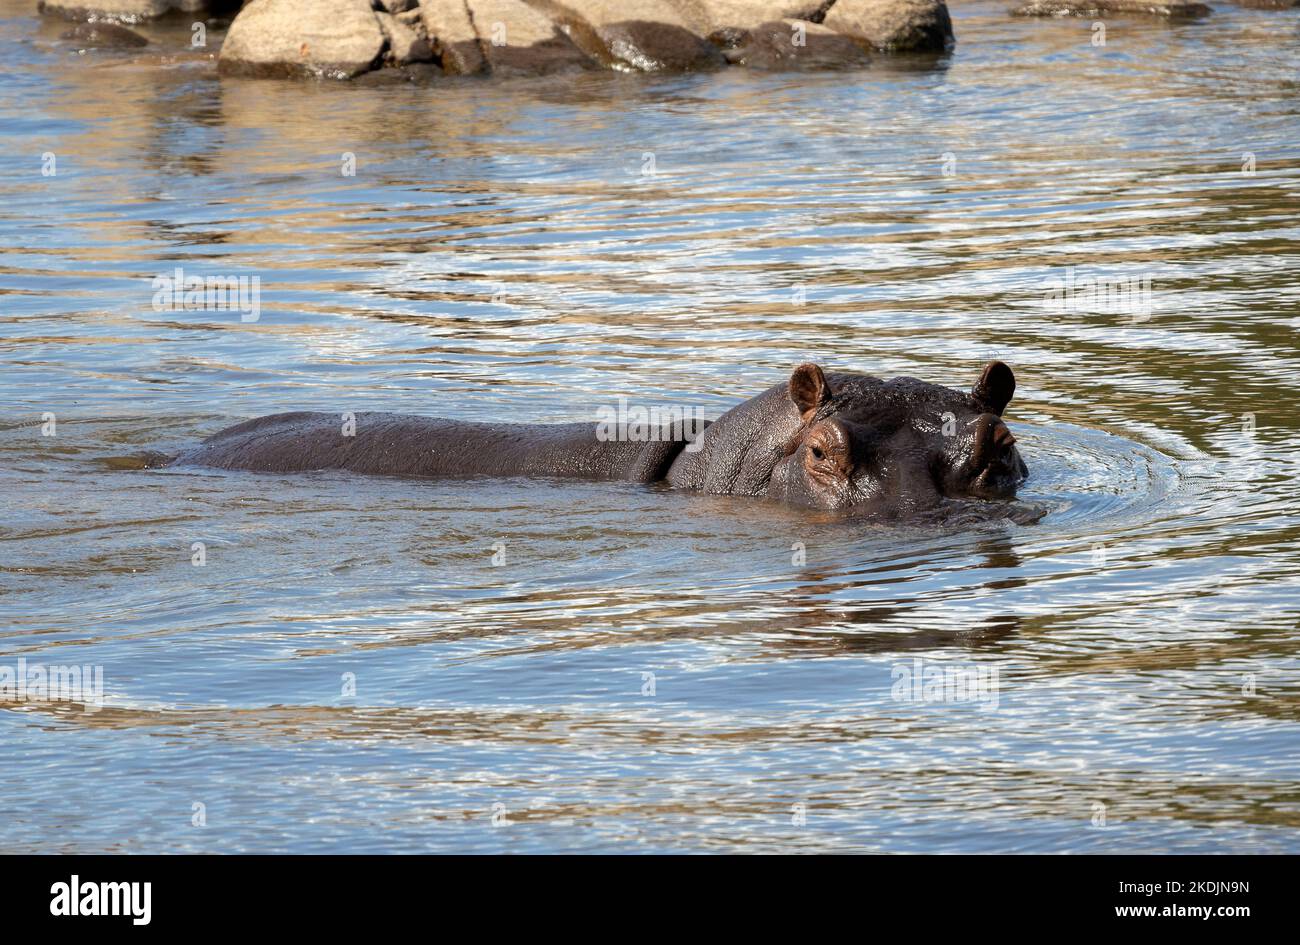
column 894, row 25
column 405, row 45
column 331, row 38
column 415, row 20
column 633, row 35
column 600, row 13
column 709, row 16
column 452, row 36
column 517, row 39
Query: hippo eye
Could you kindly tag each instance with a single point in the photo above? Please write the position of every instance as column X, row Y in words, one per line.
column 817, row 453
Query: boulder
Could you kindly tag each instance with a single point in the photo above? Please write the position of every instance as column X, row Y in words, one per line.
column 894, row 25
column 415, row 20
column 711, row 16
column 653, row 47
column 1169, row 9
column 633, row 35
column 516, row 39
column 405, row 45
column 730, row 37
column 796, row 44
column 334, row 38
column 452, row 37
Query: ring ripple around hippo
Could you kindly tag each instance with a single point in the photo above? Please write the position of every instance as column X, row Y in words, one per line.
column 841, row 442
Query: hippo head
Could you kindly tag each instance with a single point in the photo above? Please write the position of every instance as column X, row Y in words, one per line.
column 864, row 444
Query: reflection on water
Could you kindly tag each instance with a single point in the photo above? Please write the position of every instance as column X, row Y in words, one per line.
column 646, row 669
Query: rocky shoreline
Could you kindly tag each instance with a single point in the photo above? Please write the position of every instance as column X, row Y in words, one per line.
column 408, row 39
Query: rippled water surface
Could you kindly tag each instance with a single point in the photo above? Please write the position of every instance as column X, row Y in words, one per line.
column 501, row 254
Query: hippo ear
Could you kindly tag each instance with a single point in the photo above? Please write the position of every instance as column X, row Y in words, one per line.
column 995, row 387
column 808, row 389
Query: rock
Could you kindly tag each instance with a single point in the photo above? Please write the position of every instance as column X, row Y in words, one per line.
column 710, row 16
column 334, row 38
column 348, row 38
column 1171, row 9
column 894, row 25
column 127, row 11
column 415, row 20
column 104, row 36
column 405, row 45
column 452, row 37
column 797, row 44
column 633, row 35
column 729, row 37
column 655, row 47
column 518, row 40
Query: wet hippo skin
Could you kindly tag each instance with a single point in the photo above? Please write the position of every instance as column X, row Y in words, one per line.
column 835, row 441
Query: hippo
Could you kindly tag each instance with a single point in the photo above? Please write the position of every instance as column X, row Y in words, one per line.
column 839, row 442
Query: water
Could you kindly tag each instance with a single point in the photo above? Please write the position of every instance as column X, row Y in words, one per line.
column 499, row 255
